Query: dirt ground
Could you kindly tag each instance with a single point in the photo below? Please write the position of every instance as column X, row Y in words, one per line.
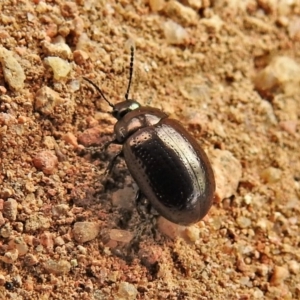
column 228, row 70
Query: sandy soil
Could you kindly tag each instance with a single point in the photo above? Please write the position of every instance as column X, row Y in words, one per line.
column 229, row 70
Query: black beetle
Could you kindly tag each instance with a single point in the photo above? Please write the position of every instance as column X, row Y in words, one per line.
column 171, row 170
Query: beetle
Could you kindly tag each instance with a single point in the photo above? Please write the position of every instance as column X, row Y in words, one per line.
column 170, row 168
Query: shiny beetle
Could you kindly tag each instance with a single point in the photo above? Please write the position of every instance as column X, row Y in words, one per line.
column 171, row 170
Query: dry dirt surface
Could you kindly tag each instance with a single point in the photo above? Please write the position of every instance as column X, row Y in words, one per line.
column 229, row 70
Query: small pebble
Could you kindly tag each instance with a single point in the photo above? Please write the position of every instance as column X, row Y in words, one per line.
column 35, row 222
column 174, row 33
column 243, row 222
column 74, row 263
column 19, row 244
column 69, row 9
column 119, row 235
column 121, row 197
column 30, row 260
column 49, row 142
column 82, row 249
column 228, row 173
column 10, row 209
column 271, row 175
column 6, row 230
column 282, row 72
column 262, row 270
column 78, row 26
column 10, row 256
column 45, row 161
column 2, row 279
column 91, row 137
column 195, row 4
column 46, row 240
column 60, row 67
column 46, row 100
column 13, row 72
column 61, row 50
column 85, row 231
column 2, row 220
column 80, row 57
column 89, row 286
column 192, row 233
column 28, row 284
column 294, row 267
column 71, row 139
column 185, row 15
column 74, row 85
column 126, row 291
column 60, row 267
column 279, row 275
column 59, row 241
column 294, row 28
column 17, row 280
column 60, row 210
column 213, row 24
column 7, row 119
column 290, row 126
column 170, row 229
column 156, row 5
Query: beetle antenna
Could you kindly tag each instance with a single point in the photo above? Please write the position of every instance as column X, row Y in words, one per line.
column 130, row 71
column 99, row 91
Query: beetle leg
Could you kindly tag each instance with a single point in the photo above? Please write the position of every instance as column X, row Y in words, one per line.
column 143, row 206
column 106, row 145
column 112, row 162
column 110, row 167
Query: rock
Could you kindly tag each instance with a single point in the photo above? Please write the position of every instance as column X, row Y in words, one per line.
column 185, row 15
column 10, row 209
column 19, row 244
column 60, row 210
column 85, row 231
column 10, row 256
column 170, row 229
column 243, row 222
column 13, row 72
column 45, row 161
column 91, row 137
column 80, row 57
column 35, row 222
column 69, row 9
column 271, row 175
column 123, row 197
column 46, row 240
column 279, row 275
column 30, row 260
column 61, row 50
column 294, row 267
column 174, row 33
column 156, row 5
column 60, row 67
column 126, row 291
column 282, row 73
column 228, row 172
column 60, row 267
column 119, row 235
column 46, row 100
column 213, row 24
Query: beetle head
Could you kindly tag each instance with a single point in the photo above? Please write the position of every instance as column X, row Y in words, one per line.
column 122, row 108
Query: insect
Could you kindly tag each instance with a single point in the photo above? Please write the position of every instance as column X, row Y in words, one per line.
column 171, row 170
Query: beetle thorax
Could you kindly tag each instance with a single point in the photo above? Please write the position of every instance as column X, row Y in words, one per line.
column 136, row 119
